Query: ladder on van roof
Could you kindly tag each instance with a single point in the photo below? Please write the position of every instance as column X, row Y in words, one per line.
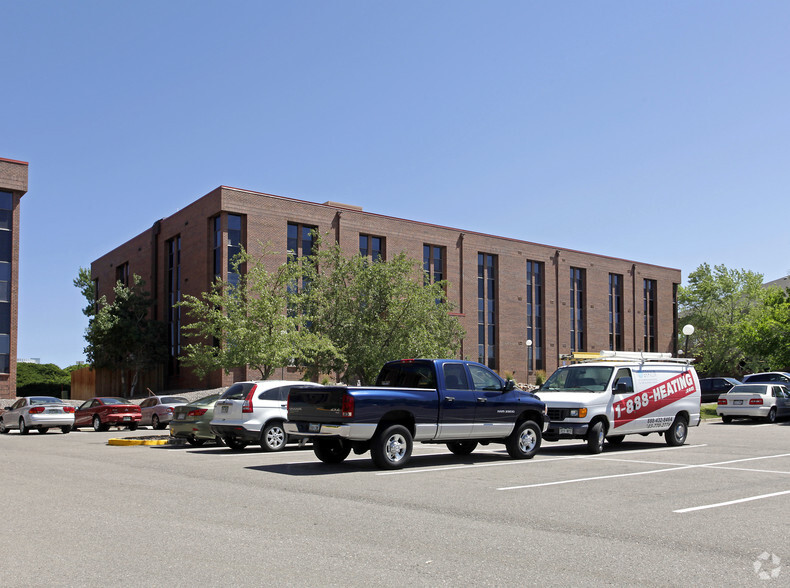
column 640, row 356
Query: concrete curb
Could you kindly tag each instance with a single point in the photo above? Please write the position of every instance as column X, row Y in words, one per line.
column 145, row 441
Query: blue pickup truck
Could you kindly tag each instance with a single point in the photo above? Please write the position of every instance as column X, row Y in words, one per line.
column 448, row 401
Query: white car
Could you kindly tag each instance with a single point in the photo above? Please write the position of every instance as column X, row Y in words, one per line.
column 254, row 412
column 157, row 411
column 37, row 412
column 764, row 401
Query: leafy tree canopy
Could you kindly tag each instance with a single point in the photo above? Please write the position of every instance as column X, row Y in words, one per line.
column 122, row 336
column 721, row 304
column 248, row 322
column 375, row 312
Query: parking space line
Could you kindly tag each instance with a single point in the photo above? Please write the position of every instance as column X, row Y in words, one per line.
column 608, row 477
column 731, row 502
column 715, row 465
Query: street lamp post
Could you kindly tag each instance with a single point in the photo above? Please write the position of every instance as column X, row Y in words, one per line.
column 529, row 363
column 688, row 330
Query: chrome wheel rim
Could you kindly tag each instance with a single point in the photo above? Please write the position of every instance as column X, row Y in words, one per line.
column 395, row 449
column 527, row 441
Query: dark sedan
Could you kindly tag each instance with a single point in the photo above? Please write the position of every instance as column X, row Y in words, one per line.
column 712, row 387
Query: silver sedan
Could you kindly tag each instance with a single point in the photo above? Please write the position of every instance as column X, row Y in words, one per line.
column 157, row 411
column 37, row 412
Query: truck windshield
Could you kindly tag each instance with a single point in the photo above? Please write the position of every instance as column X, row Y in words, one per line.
column 407, row 375
column 578, row 378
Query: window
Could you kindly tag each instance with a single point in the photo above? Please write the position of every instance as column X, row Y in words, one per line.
column 650, row 315
column 6, row 258
column 372, row 247
column 615, row 312
column 173, row 297
column 484, row 379
column 301, row 239
column 624, row 381
column 122, row 274
column 486, row 310
column 234, row 246
column 455, row 377
column 535, row 315
column 577, row 309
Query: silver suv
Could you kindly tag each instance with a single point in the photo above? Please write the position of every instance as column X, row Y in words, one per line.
column 254, row 412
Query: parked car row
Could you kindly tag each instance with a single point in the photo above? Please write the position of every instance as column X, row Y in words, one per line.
column 247, row 412
column 767, row 401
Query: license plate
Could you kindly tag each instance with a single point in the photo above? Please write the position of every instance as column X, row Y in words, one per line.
column 52, row 411
column 315, row 428
column 224, row 409
column 566, row 431
column 738, row 402
column 127, row 418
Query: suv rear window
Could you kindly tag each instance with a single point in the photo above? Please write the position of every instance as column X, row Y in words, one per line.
column 237, row 391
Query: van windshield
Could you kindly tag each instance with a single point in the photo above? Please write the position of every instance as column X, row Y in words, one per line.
column 578, row 378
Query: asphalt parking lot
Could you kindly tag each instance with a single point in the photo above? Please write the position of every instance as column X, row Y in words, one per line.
column 712, row 512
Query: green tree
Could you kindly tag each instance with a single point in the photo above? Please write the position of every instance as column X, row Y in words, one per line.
column 766, row 339
column 122, row 336
column 376, row 312
column 248, row 323
column 721, row 304
column 88, row 288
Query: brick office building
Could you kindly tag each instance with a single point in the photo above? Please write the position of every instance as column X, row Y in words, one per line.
column 522, row 304
column 13, row 185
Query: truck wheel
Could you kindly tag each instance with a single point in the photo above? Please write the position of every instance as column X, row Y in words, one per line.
column 524, row 441
column 462, row 447
column 391, row 447
column 595, row 437
column 331, row 450
column 676, row 434
column 615, row 439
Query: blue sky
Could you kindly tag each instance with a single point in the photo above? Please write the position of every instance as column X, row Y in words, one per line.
column 652, row 131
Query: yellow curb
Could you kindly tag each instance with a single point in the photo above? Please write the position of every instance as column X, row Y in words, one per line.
column 137, row 442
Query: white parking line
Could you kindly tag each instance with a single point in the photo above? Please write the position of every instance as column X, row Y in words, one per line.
column 715, row 465
column 731, row 502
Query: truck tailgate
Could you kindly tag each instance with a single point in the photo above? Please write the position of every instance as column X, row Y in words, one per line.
column 320, row 405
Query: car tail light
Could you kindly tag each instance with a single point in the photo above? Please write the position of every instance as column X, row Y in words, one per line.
column 69, row 409
column 170, row 409
column 197, row 412
column 756, row 401
column 347, row 406
column 36, row 410
column 723, row 401
column 247, row 405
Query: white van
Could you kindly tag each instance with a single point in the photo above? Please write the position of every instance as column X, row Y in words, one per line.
column 620, row 393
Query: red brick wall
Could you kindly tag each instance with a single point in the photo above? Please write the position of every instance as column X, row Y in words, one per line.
column 265, row 222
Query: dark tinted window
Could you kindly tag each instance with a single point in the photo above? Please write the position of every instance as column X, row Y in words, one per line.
column 407, row 375
column 766, row 378
column 237, row 391
column 455, row 377
column 280, row 393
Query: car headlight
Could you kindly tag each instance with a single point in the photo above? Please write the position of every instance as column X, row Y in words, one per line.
column 578, row 413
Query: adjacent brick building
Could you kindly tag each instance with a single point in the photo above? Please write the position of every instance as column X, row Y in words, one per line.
column 13, row 185
column 522, row 304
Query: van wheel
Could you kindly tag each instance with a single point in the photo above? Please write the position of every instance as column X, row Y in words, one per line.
column 615, row 439
column 595, row 438
column 677, row 433
column 524, row 441
column 331, row 450
column 462, row 447
column 391, row 448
